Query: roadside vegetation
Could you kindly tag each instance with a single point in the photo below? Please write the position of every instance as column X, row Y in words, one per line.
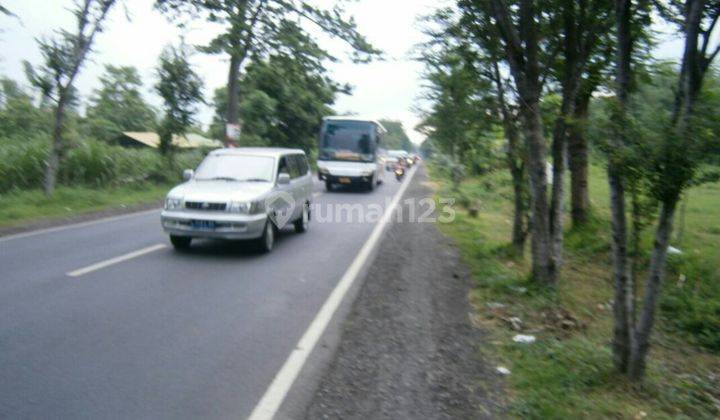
column 56, row 140
column 588, row 171
column 568, row 372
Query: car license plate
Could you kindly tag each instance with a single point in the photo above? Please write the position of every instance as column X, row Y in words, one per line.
column 203, row 224
column 344, row 180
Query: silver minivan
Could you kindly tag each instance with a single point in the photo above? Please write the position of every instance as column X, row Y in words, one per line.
column 241, row 193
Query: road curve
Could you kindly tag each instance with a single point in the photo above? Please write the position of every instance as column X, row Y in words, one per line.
column 138, row 330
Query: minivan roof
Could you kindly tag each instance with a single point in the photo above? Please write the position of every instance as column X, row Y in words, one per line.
column 258, row 151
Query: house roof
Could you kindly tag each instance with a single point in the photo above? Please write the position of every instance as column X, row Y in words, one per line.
column 188, row 141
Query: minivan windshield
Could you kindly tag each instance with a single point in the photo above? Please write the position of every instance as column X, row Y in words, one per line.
column 236, row 168
column 347, row 140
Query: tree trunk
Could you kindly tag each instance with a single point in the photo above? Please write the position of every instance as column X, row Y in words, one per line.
column 542, row 246
column 559, row 154
column 622, row 306
column 52, row 165
column 519, row 232
column 233, row 116
column 641, row 342
column 570, row 85
column 516, row 164
column 578, row 162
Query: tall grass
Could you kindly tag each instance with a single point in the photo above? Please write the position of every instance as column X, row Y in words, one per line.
column 89, row 163
column 568, row 372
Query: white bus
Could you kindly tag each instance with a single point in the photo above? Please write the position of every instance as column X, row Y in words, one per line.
column 350, row 151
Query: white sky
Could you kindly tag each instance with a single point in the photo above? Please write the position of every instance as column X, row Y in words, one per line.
column 387, row 89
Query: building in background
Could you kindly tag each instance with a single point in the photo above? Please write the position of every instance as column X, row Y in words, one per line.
column 150, row 139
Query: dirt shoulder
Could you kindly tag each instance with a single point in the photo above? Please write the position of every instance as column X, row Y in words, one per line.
column 408, row 347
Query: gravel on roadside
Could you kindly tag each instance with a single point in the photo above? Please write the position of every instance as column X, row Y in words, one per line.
column 408, row 348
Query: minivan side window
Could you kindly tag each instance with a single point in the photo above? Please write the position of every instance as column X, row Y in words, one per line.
column 302, row 164
column 293, row 168
column 283, row 166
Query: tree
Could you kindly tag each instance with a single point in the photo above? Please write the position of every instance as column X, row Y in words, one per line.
column 19, row 117
column 181, row 90
column 489, row 93
column 286, row 95
column 681, row 151
column 118, row 105
column 396, row 137
column 520, row 26
column 64, row 55
column 254, row 28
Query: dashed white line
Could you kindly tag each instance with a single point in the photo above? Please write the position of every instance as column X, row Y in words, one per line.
column 275, row 394
column 113, row 261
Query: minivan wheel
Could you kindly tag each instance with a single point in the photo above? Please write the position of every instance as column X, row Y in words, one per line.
column 267, row 241
column 302, row 224
column 180, row 242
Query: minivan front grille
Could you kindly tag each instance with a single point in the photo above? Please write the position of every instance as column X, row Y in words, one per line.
column 205, row 206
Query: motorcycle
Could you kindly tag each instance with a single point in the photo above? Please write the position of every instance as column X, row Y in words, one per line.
column 399, row 173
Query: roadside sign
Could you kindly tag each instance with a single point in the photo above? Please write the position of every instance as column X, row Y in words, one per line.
column 232, row 131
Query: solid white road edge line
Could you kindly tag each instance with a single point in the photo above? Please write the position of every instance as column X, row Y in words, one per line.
column 113, row 261
column 275, row 394
column 75, row 225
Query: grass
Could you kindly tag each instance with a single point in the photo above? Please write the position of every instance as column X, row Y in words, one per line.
column 21, row 207
column 567, row 372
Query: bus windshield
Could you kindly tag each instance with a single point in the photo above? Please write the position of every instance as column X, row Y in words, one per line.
column 348, row 141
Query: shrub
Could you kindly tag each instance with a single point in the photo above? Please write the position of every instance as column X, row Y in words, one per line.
column 90, row 163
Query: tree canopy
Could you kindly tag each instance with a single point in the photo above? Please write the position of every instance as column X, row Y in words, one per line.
column 117, row 105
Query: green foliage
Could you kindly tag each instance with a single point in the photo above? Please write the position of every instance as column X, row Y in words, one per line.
column 396, row 137
column 91, row 163
column 285, row 96
column 569, row 373
column 118, row 105
column 19, row 117
column 181, row 89
column 253, row 26
column 20, row 206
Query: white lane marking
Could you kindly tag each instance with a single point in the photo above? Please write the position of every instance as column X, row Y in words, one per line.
column 275, row 394
column 112, row 261
column 317, row 194
column 75, row 225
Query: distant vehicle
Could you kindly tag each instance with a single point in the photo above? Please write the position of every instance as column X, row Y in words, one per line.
column 350, row 153
column 396, row 155
column 393, row 157
column 399, row 172
column 242, row 193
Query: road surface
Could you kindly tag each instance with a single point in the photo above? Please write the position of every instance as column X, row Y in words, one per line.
column 106, row 320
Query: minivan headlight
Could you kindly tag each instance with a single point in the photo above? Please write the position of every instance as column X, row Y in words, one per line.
column 173, row 203
column 241, row 207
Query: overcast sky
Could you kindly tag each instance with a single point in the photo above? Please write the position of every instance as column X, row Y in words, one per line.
column 386, row 89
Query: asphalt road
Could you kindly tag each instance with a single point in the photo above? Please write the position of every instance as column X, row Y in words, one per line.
column 160, row 334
